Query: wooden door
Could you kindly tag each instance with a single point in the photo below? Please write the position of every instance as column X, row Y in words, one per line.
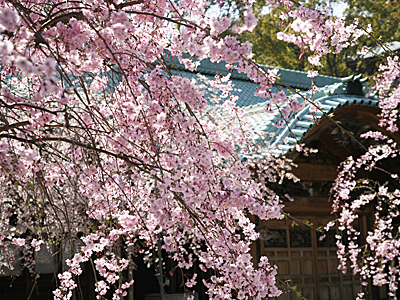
column 310, row 265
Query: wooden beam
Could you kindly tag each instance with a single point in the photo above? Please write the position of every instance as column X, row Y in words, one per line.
column 315, row 262
column 309, row 206
column 311, row 172
column 315, row 206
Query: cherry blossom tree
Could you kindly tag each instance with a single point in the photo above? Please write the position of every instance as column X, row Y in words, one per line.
column 103, row 145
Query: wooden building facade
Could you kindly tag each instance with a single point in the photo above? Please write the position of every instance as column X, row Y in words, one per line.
column 309, row 263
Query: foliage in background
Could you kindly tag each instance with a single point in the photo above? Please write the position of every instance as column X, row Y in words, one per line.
column 383, row 16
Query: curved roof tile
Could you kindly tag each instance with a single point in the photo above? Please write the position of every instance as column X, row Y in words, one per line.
column 298, row 126
column 332, row 94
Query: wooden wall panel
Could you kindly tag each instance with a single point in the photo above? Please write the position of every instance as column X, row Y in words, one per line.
column 312, row 269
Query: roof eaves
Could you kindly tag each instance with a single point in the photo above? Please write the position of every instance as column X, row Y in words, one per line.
column 286, row 138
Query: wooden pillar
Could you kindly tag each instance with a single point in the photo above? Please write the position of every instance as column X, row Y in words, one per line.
column 315, row 260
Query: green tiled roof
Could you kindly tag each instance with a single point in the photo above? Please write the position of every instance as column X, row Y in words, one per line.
column 244, row 89
column 295, row 79
column 332, row 94
column 285, row 138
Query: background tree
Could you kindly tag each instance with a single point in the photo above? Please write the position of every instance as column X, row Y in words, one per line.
column 269, row 50
column 383, row 17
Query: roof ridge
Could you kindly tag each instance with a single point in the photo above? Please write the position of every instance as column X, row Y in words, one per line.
column 294, row 78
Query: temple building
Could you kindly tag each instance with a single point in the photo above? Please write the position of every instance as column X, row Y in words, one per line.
column 303, row 259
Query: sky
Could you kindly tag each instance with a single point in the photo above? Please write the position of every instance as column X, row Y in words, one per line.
column 338, row 9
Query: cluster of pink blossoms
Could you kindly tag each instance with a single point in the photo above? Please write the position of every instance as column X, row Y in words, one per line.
column 320, row 34
column 389, row 93
column 104, row 147
column 375, row 258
